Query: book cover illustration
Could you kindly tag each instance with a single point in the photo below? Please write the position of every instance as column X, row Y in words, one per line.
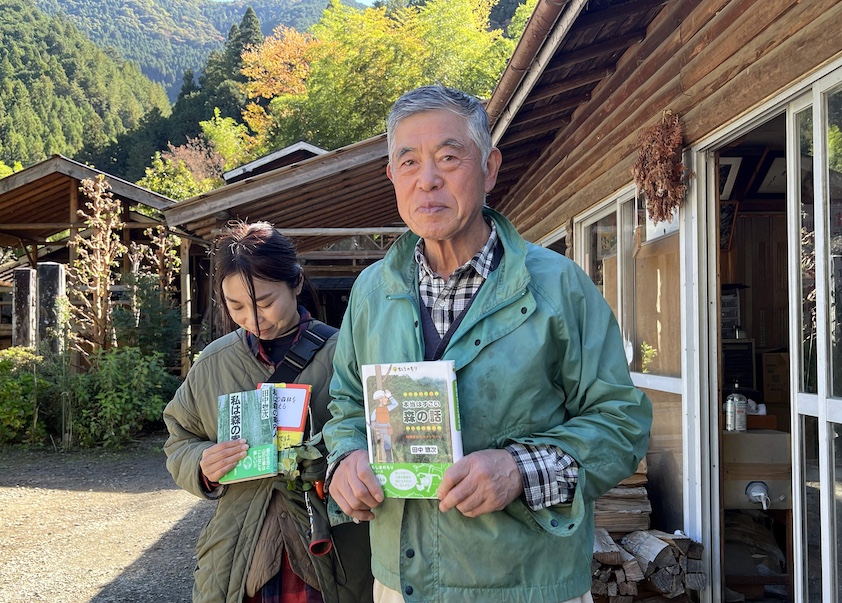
column 249, row 415
column 412, row 422
column 290, row 404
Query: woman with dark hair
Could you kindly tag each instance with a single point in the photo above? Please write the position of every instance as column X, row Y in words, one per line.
column 257, row 547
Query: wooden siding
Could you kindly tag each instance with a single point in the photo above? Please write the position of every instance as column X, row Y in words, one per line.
column 708, row 61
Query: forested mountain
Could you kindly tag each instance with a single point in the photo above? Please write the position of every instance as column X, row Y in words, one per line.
column 168, row 37
column 59, row 91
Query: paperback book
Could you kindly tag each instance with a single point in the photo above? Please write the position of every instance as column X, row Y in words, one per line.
column 251, row 416
column 290, row 403
column 412, row 422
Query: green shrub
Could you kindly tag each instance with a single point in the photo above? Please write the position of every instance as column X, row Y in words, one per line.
column 19, row 407
column 127, row 394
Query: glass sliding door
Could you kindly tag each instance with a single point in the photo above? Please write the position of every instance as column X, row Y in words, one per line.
column 815, row 197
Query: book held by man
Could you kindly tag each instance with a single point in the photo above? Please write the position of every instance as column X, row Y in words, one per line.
column 412, row 421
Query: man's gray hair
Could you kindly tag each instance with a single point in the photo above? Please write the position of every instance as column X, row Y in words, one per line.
column 438, row 97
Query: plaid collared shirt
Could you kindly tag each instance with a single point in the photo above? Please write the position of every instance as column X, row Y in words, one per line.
column 446, row 300
column 549, row 475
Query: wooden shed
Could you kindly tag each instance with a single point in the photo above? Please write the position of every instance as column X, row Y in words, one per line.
column 38, row 217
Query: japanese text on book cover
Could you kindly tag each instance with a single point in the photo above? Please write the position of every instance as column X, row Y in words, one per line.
column 250, row 416
column 412, row 421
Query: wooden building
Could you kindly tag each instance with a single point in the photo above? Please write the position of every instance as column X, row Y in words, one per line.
column 38, row 216
column 741, row 285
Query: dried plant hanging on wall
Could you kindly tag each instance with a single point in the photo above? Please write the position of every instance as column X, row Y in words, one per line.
column 658, row 171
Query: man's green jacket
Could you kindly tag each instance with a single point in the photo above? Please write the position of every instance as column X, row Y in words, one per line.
column 539, row 360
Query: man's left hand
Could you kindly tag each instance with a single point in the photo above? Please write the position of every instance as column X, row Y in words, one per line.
column 479, row 483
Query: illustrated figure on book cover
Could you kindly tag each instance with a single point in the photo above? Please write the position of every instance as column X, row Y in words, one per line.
column 381, row 427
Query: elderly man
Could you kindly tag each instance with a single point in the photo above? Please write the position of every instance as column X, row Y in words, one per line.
column 550, row 418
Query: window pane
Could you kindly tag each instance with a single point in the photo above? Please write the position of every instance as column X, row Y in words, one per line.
column 811, row 522
column 601, row 257
column 834, row 181
column 665, row 462
column 804, row 123
column 657, row 297
column 559, row 246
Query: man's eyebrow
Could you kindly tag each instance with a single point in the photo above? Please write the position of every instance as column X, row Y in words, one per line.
column 453, row 143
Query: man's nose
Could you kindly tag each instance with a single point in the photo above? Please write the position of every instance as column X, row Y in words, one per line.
column 429, row 177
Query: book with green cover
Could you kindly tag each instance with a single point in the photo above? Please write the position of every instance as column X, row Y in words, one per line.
column 249, row 415
column 412, row 421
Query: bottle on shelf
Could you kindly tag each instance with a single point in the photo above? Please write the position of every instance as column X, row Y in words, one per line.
column 735, row 410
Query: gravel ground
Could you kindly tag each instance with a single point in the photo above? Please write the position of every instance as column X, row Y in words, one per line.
column 96, row 526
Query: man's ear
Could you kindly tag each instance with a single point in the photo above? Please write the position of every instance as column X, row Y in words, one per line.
column 389, row 171
column 492, row 167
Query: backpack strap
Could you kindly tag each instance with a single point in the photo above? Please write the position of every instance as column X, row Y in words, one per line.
column 301, row 353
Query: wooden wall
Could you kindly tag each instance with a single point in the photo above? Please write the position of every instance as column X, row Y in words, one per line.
column 709, row 61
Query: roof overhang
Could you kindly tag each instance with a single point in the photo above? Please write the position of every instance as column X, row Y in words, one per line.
column 35, row 202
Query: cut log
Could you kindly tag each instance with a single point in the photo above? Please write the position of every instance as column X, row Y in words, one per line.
column 652, row 553
column 680, row 542
column 695, row 550
column 605, row 550
column 695, row 581
column 627, row 492
column 631, row 567
column 661, row 580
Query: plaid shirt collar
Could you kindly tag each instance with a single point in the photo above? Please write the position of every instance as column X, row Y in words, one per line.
column 446, row 300
column 257, row 348
column 481, row 262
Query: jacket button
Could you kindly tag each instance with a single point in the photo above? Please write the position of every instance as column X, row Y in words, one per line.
column 408, row 590
column 571, row 526
column 554, row 523
column 416, row 323
column 410, row 553
column 477, row 342
column 523, row 310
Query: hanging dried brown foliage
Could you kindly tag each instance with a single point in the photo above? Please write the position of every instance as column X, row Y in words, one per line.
column 658, row 171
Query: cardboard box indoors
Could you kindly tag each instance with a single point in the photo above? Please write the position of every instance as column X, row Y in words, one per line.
column 776, row 378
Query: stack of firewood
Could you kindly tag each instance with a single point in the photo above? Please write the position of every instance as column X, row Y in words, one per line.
column 647, row 566
column 626, row 507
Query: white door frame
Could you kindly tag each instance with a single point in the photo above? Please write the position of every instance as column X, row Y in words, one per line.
column 699, row 220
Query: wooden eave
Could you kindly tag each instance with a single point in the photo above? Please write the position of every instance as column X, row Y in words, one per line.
column 345, row 188
column 556, row 79
column 35, row 203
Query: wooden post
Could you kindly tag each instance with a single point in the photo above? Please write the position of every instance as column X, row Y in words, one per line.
column 25, row 308
column 51, row 288
column 186, row 307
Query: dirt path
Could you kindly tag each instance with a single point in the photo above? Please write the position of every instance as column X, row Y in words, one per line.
column 96, row 527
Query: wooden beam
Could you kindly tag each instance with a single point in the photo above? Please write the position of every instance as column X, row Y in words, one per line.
column 616, row 12
column 569, row 84
column 341, row 232
column 574, row 57
column 551, row 110
column 68, row 225
column 539, row 130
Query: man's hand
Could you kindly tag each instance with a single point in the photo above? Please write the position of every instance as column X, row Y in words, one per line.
column 355, row 488
column 220, row 458
column 482, row 482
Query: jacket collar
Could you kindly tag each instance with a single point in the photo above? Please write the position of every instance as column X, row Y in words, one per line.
column 399, row 268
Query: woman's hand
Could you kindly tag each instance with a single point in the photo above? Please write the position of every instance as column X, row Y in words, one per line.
column 220, row 458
